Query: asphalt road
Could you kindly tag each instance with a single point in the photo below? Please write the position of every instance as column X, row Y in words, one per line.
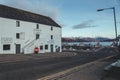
column 34, row 69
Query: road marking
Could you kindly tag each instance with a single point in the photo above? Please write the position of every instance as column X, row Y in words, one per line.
column 62, row 73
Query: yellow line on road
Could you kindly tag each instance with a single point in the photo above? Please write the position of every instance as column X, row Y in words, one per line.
column 62, row 73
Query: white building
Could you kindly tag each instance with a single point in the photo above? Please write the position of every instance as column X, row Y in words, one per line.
column 22, row 31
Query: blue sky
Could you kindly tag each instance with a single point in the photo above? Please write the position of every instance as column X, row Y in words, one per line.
column 78, row 18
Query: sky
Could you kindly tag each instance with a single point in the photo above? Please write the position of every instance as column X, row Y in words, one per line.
column 78, row 18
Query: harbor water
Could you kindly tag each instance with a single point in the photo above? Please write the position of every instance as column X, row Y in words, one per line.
column 91, row 43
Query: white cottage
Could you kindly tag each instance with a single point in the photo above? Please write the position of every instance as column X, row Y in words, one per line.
column 21, row 31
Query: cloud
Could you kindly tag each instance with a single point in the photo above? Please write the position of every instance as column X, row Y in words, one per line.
column 42, row 7
column 86, row 24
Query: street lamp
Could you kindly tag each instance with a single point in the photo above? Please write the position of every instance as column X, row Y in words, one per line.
column 113, row 8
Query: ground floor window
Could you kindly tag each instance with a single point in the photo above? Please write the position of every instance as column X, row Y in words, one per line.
column 46, row 47
column 41, row 47
column 6, row 47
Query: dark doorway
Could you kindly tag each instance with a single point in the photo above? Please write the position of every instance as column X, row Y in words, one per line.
column 51, row 48
column 18, row 48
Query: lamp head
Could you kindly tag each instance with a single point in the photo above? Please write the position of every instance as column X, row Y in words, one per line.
column 100, row 10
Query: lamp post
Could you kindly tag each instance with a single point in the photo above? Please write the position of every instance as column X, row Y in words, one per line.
column 113, row 8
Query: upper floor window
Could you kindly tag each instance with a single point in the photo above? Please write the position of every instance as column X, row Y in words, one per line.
column 51, row 36
column 37, row 26
column 17, row 35
column 51, row 28
column 18, row 23
column 37, row 36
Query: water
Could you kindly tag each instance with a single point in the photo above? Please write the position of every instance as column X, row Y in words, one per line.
column 92, row 43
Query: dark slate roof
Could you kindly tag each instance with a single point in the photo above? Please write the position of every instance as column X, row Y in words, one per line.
column 18, row 14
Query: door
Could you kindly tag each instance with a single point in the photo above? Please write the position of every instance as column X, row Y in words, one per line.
column 51, row 48
column 18, row 48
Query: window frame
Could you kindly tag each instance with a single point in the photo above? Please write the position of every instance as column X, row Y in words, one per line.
column 37, row 26
column 51, row 28
column 6, row 47
column 17, row 35
column 46, row 47
column 51, row 36
column 37, row 36
column 41, row 47
column 17, row 23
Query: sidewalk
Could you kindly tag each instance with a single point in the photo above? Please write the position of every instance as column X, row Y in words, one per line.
column 89, row 71
column 92, row 71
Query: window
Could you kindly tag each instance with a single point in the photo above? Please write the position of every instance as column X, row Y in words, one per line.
column 18, row 23
column 41, row 47
column 51, row 28
column 17, row 35
column 37, row 27
column 51, row 36
column 37, row 36
column 6, row 47
column 46, row 47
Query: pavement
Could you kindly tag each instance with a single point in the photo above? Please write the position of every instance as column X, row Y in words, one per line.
column 5, row 58
column 89, row 71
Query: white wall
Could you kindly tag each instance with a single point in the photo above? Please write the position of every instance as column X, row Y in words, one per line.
column 8, row 30
column 7, row 27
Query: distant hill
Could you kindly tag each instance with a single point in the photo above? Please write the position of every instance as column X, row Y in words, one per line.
column 101, row 39
column 86, row 39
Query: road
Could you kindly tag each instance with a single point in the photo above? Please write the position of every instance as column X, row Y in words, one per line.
column 34, row 69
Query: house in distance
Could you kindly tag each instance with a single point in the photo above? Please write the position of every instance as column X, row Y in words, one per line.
column 21, row 31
